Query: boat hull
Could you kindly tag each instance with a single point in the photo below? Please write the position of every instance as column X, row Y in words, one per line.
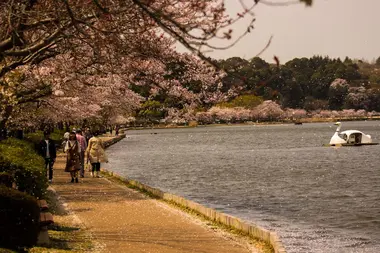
column 350, row 144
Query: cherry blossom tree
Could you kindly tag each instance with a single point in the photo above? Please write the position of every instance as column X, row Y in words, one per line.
column 322, row 114
column 357, row 98
column 33, row 30
column 269, row 110
column 337, row 93
column 180, row 117
column 18, row 88
column 101, row 39
column 204, row 117
column 295, row 114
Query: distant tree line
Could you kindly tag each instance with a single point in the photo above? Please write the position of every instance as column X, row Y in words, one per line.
column 311, row 84
column 308, row 83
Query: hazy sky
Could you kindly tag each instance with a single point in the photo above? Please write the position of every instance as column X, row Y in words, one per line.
column 336, row 28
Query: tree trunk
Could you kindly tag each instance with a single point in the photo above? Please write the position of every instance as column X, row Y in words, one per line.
column 3, row 132
column 84, row 124
column 67, row 126
column 60, row 125
column 3, row 122
column 19, row 134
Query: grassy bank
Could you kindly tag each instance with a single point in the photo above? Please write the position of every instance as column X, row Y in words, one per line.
column 18, row 158
column 22, row 182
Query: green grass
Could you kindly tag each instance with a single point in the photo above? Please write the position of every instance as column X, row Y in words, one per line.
column 65, row 239
column 64, row 235
column 2, row 250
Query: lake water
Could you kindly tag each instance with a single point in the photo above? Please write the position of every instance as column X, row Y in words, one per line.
column 318, row 199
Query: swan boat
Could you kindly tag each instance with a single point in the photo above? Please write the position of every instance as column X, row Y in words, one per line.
column 350, row 138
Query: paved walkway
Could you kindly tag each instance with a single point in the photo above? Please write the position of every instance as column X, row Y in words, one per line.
column 123, row 220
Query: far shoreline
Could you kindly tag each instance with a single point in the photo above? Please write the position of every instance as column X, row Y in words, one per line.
column 194, row 124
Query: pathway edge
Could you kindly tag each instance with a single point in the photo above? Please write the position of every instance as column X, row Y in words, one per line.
column 263, row 234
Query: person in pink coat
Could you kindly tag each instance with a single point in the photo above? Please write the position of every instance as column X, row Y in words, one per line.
column 83, row 145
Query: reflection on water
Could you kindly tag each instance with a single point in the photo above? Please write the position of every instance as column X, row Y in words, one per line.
column 319, row 199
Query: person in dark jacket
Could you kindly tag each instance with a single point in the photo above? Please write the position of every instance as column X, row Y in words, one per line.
column 87, row 134
column 48, row 151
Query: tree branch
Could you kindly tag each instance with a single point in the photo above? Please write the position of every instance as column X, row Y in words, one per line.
column 36, row 47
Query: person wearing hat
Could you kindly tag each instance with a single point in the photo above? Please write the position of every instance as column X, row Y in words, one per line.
column 66, row 137
column 48, row 151
column 72, row 150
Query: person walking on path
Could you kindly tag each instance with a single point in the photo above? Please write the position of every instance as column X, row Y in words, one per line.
column 96, row 154
column 87, row 134
column 83, row 147
column 65, row 140
column 48, row 151
column 73, row 150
